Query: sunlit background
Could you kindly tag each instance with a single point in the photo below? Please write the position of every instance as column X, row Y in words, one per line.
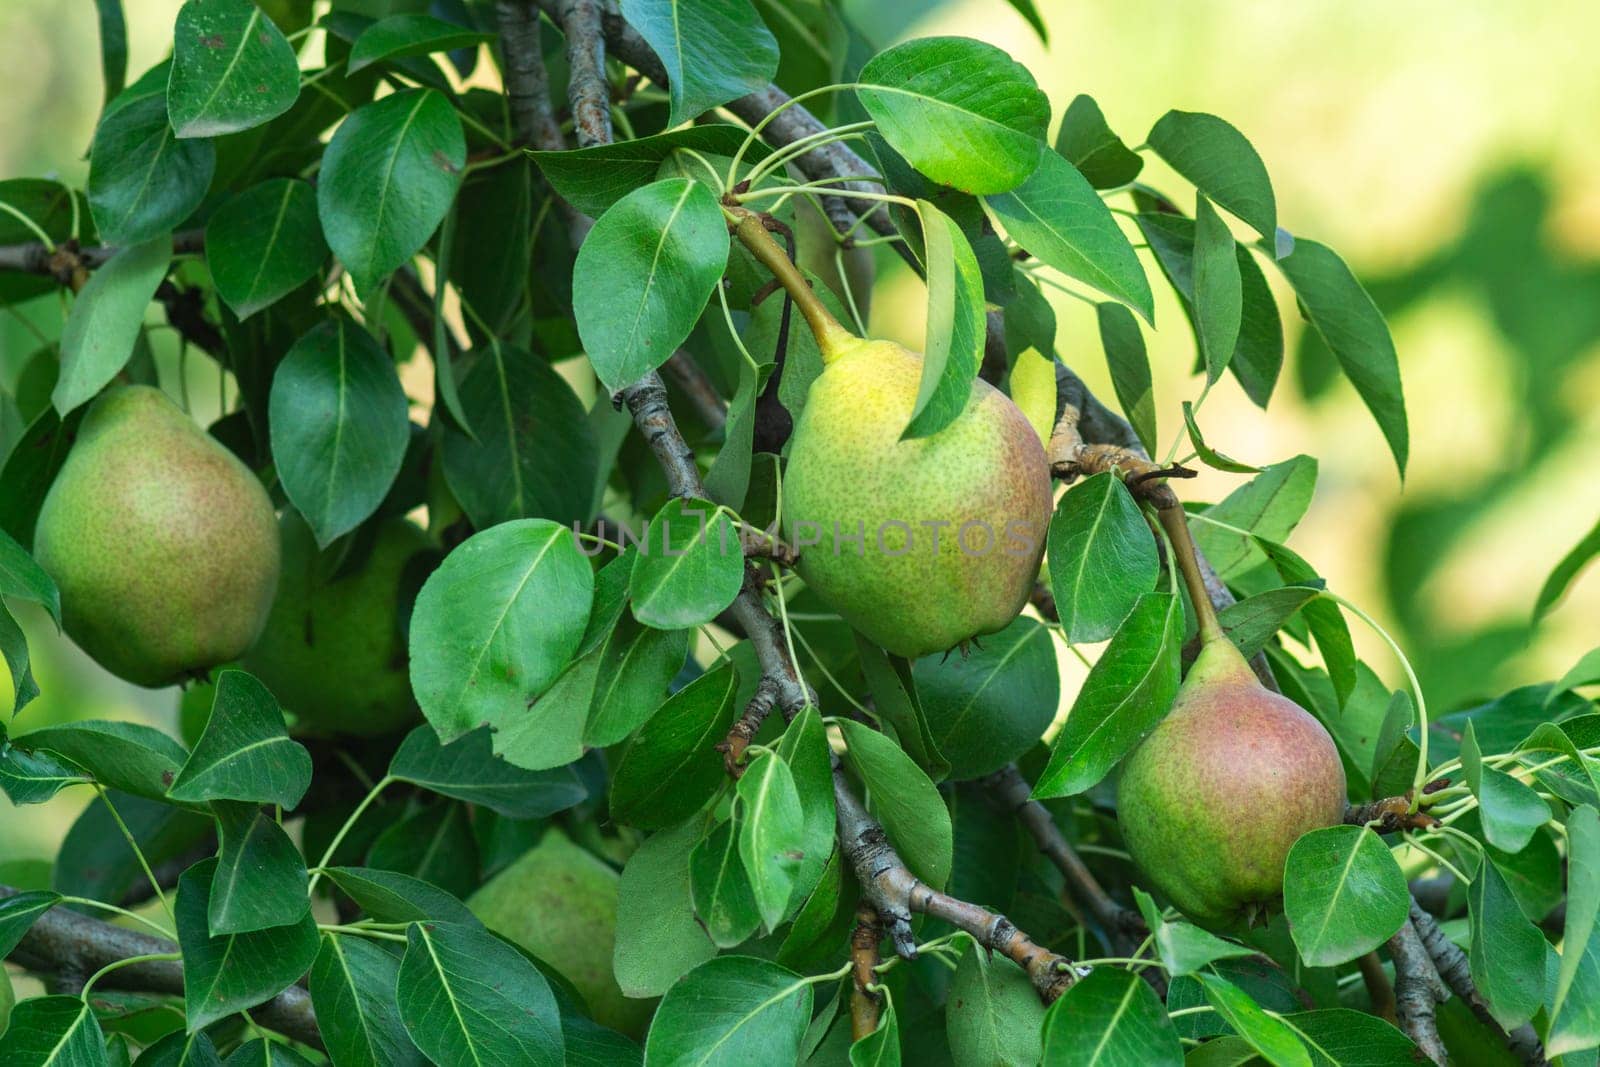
column 1446, row 150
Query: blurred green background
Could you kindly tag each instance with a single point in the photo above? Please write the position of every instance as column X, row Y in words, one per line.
column 1445, row 149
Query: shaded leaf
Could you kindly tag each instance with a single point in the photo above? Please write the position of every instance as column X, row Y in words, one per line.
column 143, row 180
column 245, row 752
column 264, row 243
column 260, row 880
column 468, row 770
column 713, row 50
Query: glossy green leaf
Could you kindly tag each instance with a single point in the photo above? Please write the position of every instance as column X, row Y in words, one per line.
column 261, row 1052
column 987, row 708
column 1102, row 557
column 19, row 912
column 644, row 274
column 14, row 651
column 1109, row 1019
column 1511, row 810
column 955, row 324
column 714, row 51
column 729, row 1012
column 339, row 426
column 181, row 1049
column 1086, row 142
column 353, row 992
column 34, row 777
column 962, row 112
column 724, row 900
column 113, row 46
column 1127, row 693
column 1507, row 953
column 592, row 179
column 410, row 34
column 672, row 767
column 246, row 752
column 1251, row 623
column 1277, row 1043
column 393, row 897
column 21, row 577
column 232, row 69
column 1129, row 364
column 658, row 940
column 1344, row 894
column 468, row 998
column 466, row 769
column 143, row 180
column 388, row 177
column 1583, row 907
column 1340, row 1037
column 689, row 567
column 1218, row 299
column 535, row 455
column 1183, row 947
column 771, row 834
column 997, row 1015
column 1270, row 505
column 106, row 318
column 498, row 621
column 636, row 665
column 1060, row 219
column 1352, row 327
column 549, row 733
column 804, row 746
column 264, row 243
column 1221, row 163
column 231, row 972
column 53, row 1032
column 261, row 877
column 904, row 800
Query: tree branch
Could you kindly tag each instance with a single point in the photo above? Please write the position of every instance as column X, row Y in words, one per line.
column 588, row 91
column 1456, row 971
column 1418, row 992
column 866, row 1006
column 63, row 942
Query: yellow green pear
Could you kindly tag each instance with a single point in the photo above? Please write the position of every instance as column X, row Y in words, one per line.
column 559, row 902
column 332, row 651
column 920, row 544
column 163, row 543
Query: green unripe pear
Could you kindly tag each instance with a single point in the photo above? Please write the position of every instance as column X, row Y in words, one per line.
column 817, row 251
column 560, row 903
column 163, row 543
column 332, row 651
column 1211, row 802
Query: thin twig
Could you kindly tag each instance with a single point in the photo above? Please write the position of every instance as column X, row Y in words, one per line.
column 588, row 92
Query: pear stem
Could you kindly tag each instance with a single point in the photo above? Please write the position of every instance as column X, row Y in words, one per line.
column 832, row 338
column 1176, row 523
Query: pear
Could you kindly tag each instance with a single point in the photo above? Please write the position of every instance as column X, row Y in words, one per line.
column 163, row 543
column 1213, row 799
column 333, row 651
column 559, row 902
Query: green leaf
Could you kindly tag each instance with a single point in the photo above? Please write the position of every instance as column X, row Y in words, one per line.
column 34, row 777
column 339, row 426
column 689, row 567
column 113, row 47
column 106, row 319
column 1129, row 364
column 261, row 877
column 1507, row 955
column 1210, row 456
column 1059, row 218
column 1127, row 693
column 14, row 651
column 881, row 1048
column 997, row 1014
column 260, row 1052
column 658, row 938
column 592, row 179
column 962, row 112
column 672, row 767
column 985, row 709
column 388, row 177
column 729, row 1012
column 467, row 997
column 955, row 324
column 771, row 834
column 636, row 666
column 53, row 1032
column 1344, row 894
column 644, row 274
column 435, row 844
column 21, row 577
column 550, row 732
column 1102, row 557
column 1352, row 327
column 1269, row 505
column 393, row 897
column 1585, row 672
column 143, row 180
column 232, row 972
column 1086, row 142
column 96, row 858
column 410, row 34
column 1340, row 1037
column 891, row 681
column 263, row 243
column 535, row 454
column 1583, row 906
column 1109, row 1019
column 181, row 1049
column 1275, row 1040
column 245, row 752
column 19, row 912
column 1184, row 948
column 714, row 51
column 1221, row 163
column 720, row 887
column 905, row 801
column 232, row 69
column 1252, row 622
column 1511, row 811
column 353, row 992
column 1218, row 297
column 1555, row 587
column 467, row 770
column 498, row 621
column 804, row 746
column 29, row 472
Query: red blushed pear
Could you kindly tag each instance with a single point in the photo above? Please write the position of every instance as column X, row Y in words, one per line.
column 1211, row 802
column 920, row 544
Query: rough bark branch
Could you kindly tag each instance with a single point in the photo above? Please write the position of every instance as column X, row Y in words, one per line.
column 65, row 943
column 588, row 91
column 1456, row 971
column 866, row 1006
column 1418, row 992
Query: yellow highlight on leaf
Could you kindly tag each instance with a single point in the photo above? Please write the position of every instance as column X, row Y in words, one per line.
column 1033, row 388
